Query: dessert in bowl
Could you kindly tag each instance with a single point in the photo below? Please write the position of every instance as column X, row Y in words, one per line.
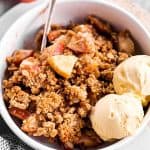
column 58, row 93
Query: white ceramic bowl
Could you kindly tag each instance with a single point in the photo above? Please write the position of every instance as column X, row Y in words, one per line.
column 66, row 11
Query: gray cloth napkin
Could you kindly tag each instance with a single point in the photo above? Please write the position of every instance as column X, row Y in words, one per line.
column 8, row 141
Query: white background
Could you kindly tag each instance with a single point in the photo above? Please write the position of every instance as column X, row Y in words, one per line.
column 142, row 142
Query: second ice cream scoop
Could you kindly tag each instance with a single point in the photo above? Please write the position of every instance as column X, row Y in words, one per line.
column 117, row 116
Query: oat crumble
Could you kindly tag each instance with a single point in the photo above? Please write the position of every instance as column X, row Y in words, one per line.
column 52, row 105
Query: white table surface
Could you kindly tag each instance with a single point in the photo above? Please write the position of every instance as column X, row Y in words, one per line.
column 142, row 142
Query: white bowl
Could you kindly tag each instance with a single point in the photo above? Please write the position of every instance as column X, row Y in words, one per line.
column 66, row 11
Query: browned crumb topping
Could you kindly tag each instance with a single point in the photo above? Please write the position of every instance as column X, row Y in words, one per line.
column 75, row 94
column 48, row 102
column 50, row 105
column 70, row 129
column 17, row 98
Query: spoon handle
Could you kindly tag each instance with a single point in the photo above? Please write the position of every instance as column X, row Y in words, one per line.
column 47, row 26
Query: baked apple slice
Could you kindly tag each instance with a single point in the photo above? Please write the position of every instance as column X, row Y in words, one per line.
column 63, row 64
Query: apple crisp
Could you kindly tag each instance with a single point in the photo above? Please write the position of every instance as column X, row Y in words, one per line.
column 52, row 92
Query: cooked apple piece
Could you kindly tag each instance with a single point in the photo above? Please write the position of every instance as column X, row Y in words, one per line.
column 58, row 47
column 63, row 64
column 99, row 24
column 125, row 42
column 29, row 65
column 19, row 55
column 82, row 43
column 55, row 49
column 52, row 35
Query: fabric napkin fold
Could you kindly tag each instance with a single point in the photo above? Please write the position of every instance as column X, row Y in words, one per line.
column 8, row 141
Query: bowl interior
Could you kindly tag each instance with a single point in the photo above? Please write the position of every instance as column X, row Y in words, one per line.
column 21, row 34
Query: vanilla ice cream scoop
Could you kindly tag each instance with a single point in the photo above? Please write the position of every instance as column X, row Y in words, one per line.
column 117, row 116
column 133, row 75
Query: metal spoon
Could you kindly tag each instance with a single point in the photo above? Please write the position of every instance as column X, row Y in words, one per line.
column 47, row 26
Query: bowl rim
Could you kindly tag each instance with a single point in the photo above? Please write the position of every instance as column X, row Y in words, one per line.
column 4, row 112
